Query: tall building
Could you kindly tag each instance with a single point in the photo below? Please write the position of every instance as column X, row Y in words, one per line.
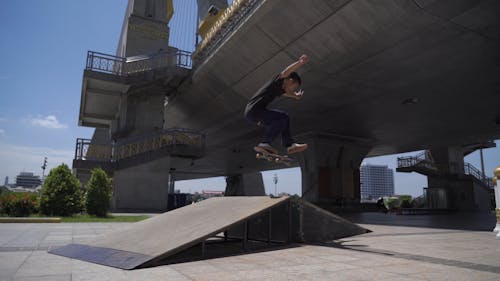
column 6, row 180
column 376, row 181
column 28, row 180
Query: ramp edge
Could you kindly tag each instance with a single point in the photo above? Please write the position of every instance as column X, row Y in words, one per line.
column 104, row 256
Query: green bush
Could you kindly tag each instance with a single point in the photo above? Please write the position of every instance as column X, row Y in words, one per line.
column 19, row 204
column 61, row 194
column 406, row 204
column 98, row 195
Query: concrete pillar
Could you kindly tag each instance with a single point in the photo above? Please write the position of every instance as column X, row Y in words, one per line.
column 449, row 160
column 331, row 170
column 143, row 187
column 497, row 199
column 462, row 193
column 250, row 184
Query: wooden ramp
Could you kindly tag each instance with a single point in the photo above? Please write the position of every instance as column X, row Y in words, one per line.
column 262, row 218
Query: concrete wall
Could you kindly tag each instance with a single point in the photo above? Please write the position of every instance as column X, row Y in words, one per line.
column 143, row 187
column 145, row 28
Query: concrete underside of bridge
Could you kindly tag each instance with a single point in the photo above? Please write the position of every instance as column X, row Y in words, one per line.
column 384, row 77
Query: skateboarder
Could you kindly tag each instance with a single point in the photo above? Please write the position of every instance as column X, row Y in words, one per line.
column 277, row 122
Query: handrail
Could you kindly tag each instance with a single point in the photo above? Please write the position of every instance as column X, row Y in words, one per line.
column 232, row 17
column 420, row 161
column 181, row 142
column 470, row 170
column 416, row 161
column 122, row 66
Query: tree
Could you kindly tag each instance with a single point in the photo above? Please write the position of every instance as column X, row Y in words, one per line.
column 98, row 195
column 61, row 193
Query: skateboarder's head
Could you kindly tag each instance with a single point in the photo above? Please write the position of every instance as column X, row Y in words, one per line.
column 292, row 83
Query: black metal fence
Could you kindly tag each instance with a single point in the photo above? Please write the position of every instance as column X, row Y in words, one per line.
column 121, row 66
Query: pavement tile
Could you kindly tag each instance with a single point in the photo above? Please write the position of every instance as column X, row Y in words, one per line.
column 58, row 277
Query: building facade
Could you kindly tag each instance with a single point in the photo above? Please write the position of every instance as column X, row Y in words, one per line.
column 376, row 181
column 28, row 180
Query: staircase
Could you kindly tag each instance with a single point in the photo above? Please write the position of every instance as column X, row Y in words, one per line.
column 421, row 163
column 424, row 165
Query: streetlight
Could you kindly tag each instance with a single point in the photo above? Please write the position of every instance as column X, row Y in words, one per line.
column 275, row 180
column 44, row 166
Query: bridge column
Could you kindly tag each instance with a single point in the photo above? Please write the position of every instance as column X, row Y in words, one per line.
column 250, row 184
column 143, row 187
column 453, row 187
column 331, row 170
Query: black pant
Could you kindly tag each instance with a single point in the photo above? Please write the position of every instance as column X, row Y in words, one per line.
column 275, row 122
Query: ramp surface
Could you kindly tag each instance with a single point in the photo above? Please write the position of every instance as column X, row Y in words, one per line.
column 169, row 233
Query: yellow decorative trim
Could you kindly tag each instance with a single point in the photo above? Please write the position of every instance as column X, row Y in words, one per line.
column 220, row 23
column 170, row 10
column 149, row 31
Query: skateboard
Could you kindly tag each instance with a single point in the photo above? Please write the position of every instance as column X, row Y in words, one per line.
column 272, row 157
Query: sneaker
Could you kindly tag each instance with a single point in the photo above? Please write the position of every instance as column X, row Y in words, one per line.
column 296, row 147
column 265, row 147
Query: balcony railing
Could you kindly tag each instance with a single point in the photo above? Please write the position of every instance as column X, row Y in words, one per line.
column 177, row 142
column 121, row 66
column 232, row 17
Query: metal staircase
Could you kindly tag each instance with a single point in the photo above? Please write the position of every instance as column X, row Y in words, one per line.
column 424, row 164
column 421, row 163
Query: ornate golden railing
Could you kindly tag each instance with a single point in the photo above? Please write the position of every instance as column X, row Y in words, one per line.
column 177, row 142
column 230, row 19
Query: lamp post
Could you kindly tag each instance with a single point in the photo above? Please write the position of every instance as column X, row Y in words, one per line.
column 44, row 166
column 275, row 180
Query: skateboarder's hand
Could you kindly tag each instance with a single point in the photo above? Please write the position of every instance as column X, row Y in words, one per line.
column 299, row 94
column 304, row 59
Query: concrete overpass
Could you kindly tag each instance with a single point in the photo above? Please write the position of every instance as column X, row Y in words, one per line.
column 384, row 77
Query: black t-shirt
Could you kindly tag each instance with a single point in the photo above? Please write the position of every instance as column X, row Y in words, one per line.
column 266, row 94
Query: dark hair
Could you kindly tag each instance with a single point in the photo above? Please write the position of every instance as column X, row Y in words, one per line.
column 295, row 77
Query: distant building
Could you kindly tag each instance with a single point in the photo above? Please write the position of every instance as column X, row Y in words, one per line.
column 28, row 180
column 211, row 193
column 376, row 181
column 6, row 180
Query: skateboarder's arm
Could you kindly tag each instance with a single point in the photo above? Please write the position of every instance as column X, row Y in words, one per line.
column 297, row 95
column 294, row 66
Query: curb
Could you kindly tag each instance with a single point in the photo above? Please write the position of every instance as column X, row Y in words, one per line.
column 30, row 220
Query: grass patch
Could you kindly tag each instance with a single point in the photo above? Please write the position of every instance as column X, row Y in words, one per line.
column 109, row 218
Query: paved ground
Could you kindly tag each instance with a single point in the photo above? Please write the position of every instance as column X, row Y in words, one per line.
column 388, row 253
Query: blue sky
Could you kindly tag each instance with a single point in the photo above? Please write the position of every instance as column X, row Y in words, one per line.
column 43, row 49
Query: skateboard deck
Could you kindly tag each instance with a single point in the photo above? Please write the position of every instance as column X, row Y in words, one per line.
column 273, row 157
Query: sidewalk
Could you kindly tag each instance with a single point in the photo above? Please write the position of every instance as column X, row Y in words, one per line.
column 388, row 253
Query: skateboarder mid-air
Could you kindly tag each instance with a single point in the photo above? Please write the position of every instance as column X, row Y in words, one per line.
column 277, row 122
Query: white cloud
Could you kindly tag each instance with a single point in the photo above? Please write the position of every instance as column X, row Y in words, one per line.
column 49, row 122
column 16, row 159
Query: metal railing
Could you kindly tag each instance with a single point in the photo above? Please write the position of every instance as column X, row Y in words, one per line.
column 419, row 160
column 231, row 18
column 177, row 142
column 474, row 172
column 121, row 66
column 105, row 63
